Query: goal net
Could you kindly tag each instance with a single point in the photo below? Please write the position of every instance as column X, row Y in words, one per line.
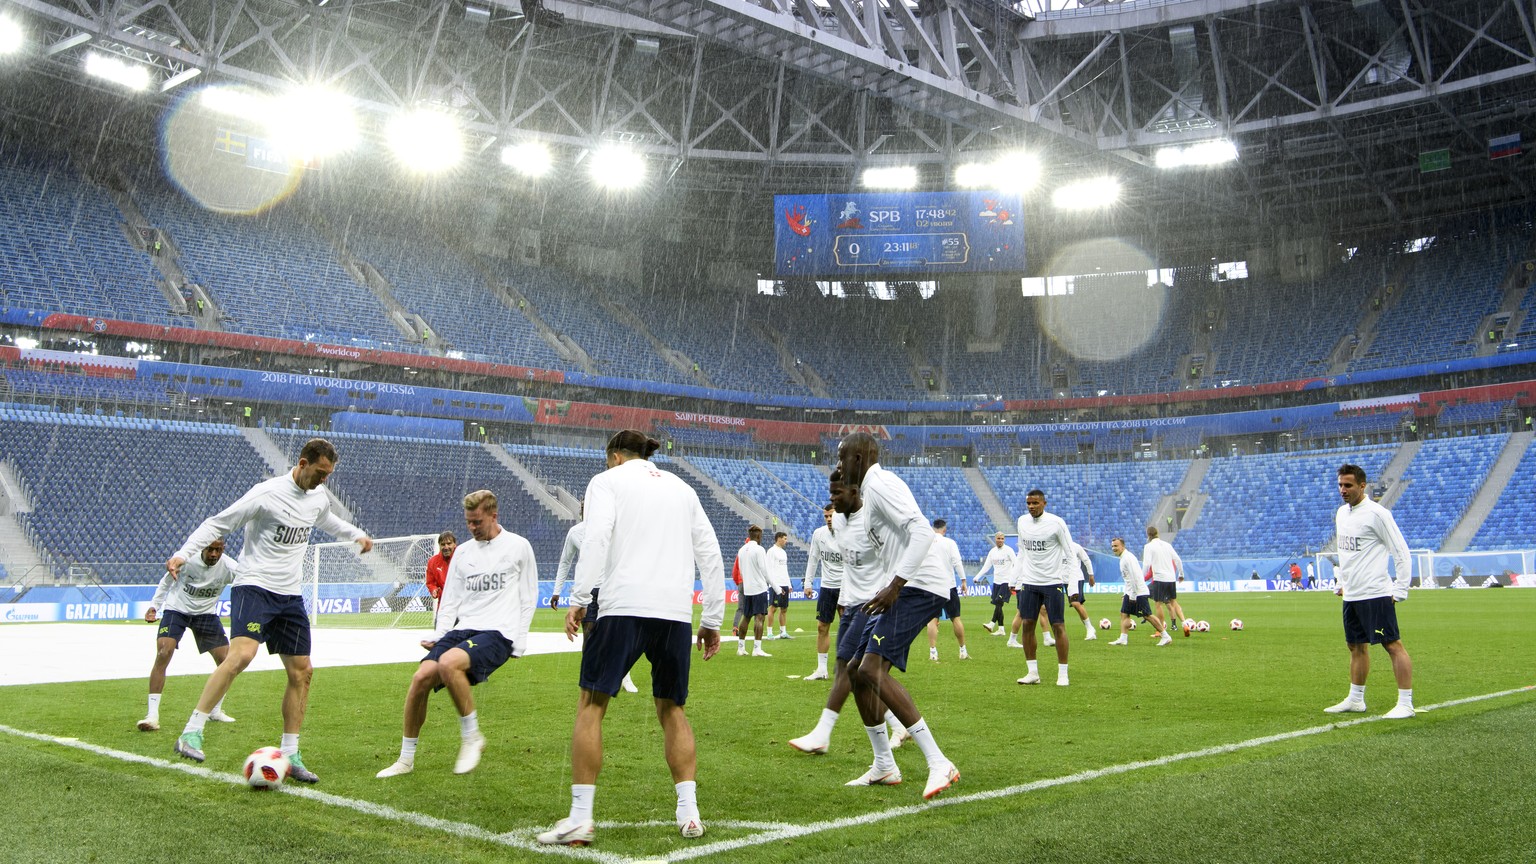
column 384, row 589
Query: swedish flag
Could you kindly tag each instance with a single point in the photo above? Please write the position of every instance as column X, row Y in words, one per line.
column 226, row 141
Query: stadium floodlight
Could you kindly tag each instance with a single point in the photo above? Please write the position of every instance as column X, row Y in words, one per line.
column 179, row 79
column 530, row 158
column 1087, row 194
column 894, row 177
column 310, row 122
column 616, row 167
column 425, row 140
column 11, row 35
column 1014, row 172
column 235, row 101
column 1203, row 154
column 133, row 76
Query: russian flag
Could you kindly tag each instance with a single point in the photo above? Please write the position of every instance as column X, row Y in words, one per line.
column 1507, row 145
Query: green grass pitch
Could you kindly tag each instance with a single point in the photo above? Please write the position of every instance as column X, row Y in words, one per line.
column 1453, row 784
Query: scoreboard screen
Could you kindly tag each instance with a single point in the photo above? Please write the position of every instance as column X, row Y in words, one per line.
column 877, row 234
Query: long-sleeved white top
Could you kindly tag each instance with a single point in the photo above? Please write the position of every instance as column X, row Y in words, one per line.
column 1079, row 568
column 945, row 555
column 278, row 517
column 1045, row 550
column 1132, row 575
column 864, row 572
column 778, row 568
column 646, row 536
column 902, row 531
column 826, row 552
column 1002, row 561
column 491, row 585
column 1368, row 539
column 1158, row 554
column 754, row 568
column 568, row 554
column 196, row 591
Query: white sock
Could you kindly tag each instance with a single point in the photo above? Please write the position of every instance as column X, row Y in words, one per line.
column 924, row 738
column 290, row 743
column 1405, row 697
column 782, row 631
column 408, row 750
column 881, row 742
column 687, row 800
column 821, row 663
column 1357, row 692
column 581, row 800
column 1033, row 665
column 825, row 724
column 218, row 708
column 890, row 717
column 1061, row 669
column 154, row 704
column 196, row 722
column 757, row 644
column 469, row 725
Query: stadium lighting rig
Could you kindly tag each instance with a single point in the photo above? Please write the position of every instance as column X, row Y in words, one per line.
column 616, row 167
column 1014, row 172
column 425, row 140
column 1094, row 194
column 308, row 121
column 530, row 158
column 123, row 73
column 1203, row 154
column 894, row 177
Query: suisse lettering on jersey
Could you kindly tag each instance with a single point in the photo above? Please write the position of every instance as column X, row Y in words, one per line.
column 1038, row 546
column 204, row 592
column 1350, row 544
column 486, row 581
column 291, row 535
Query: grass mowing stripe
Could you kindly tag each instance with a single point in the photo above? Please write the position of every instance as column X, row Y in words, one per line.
column 793, row 831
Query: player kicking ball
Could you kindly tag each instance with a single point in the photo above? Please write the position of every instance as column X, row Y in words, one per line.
column 187, row 602
column 1136, row 600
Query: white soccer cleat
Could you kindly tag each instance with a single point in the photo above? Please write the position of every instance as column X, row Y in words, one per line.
column 221, row 717
column 814, row 744
column 1166, row 640
column 940, row 777
column 1049, row 641
column 933, row 654
column 1014, row 643
column 1000, row 631
column 1061, row 679
column 691, row 829
column 818, row 675
column 1031, row 678
column 964, row 655
column 150, row 724
column 876, row 777
column 741, row 649
column 1090, row 636
column 758, row 652
column 899, row 736
column 629, row 685
column 469, row 754
column 1399, row 712
column 569, row 832
column 1348, row 706
column 988, row 626
column 395, row 770
column 1121, row 641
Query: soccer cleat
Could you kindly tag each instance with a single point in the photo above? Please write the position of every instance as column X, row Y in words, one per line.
column 190, row 745
column 569, row 832
column 785, row 636
column 1121, row 641
column 1185, row 628
column 629, row 685
column 1399, row 712
column 1049, row 641
column 469, row 754
column 1061, row 679
column 297, row 771
column 1014, row 643
column 758, row 652
column 933, row 654
column 899, row 736
column 741, row 649
column 221, row 717
column 988, row 626
column 940, row 777
column 814, row 744
column 964, row 655
column 691, row 829
column 1090, row 636
column 876, row 777
column 1031, row 678
column 1348, row 706
column 1166, row 640
column 395, row 770
column 150, row 724
column 1000, row 631
column 818, row 675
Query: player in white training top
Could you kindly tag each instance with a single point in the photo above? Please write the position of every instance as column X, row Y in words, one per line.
column 647, row 536
column 755, row 589
column 1135, row 599
column 189, row 602
column 1045, row 553
column 779, row 585
column 1003, row 562
column 826, row 552
column 265, row 604
column 1167, row 572
column 488, row 602
column 568, row 555
column 947, row 553
column 1368, row 539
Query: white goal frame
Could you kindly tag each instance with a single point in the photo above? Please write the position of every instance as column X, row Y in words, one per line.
column 397, row 561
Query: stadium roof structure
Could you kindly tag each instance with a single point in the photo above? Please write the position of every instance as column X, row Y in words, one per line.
column 1329, row 103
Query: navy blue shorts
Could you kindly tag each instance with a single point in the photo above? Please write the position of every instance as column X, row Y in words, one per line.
column 1076, row 596
column 951, row 608
column 1163, row 592
column 487, row 650
column 826, row 604
column 778, row 598
column 207, row 628
column 1141, row 607
column 754, row 604
column 891, row 633
column 1370, row 622
column 620, row 640
column 276, row 619
column 1052, row 597
column 855, row 628
column 591, row 617
column 1000, row 594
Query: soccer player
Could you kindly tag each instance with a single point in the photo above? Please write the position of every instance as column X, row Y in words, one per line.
column 568, row 555
column 488, row 603
column 754, row 592
column 1002, row 561
column 1167, row 572
column 778, row 579
column 1368, row 538
column 826, row 552
column 188, row 601
column 1135, row 601
column 736, row 580
column 948, row 557
column 646, row 536
column 894, row 617
column 437, row 567
column 265, row 604
column 1045, row 553
column 1079, row 570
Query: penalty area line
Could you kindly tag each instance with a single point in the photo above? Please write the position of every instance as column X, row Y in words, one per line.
column 793, row 831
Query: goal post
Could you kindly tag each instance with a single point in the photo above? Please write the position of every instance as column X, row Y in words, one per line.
column 383, row 589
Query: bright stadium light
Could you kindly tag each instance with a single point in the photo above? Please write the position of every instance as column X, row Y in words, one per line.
column 1014, row 172
column 530, row 158
column 1203, row 154
column 11, row 35
column 895, row 177
column 132, row 76
column 312, row 122
column 1087, row 194
column 616, row 167
column 236, row 101
column 425, row 140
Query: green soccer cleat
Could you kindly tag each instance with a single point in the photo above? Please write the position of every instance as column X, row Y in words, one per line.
column 298, row 772
column 190, row 745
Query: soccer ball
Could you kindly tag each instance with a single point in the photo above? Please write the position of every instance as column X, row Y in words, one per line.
column 1237, row 623
column 266, row 768
column 1189, row 624
column 1103, row 623
column 1133, row 623
column 1203, row 626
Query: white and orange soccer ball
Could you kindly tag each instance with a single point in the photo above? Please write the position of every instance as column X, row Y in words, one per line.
column 266, row 768
column 1203, row 626
column 1237, row 623
column 1103, row 623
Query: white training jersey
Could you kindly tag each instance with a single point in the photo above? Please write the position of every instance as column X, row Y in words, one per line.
column 825, row 551
column 778, row 568
column 904, row 534
column 1079, row 568
column 568, row 554
column 278, row 517
column 1158, row 554
column 1131, row 574
column 491, row 585
column 864, row 574
column 647, row 537
column 1002, row 561
column 196, row 591
column 945, row 554
column 1045, row 551
column 1369, row 538
column 754, row 569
